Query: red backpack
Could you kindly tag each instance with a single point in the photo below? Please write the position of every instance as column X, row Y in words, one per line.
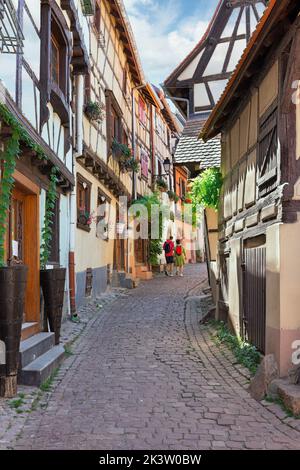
column 179, row 250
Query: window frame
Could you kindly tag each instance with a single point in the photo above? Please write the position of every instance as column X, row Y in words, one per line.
column 81, row 181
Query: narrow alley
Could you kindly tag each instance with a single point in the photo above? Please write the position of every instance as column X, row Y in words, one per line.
column 142, row 376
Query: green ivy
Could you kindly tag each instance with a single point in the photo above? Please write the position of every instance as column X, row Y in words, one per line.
column 47, row 231
column 206, row 188
column 8, row 159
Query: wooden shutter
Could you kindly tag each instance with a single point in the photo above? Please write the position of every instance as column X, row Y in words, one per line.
column 268, row 151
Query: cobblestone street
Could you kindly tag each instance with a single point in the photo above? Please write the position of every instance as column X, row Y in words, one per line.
column 143, row 375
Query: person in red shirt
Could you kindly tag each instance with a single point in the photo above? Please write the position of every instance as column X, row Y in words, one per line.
column 169, row 254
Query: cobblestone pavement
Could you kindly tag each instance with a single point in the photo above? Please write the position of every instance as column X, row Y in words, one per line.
column 145, row 375
column 13, row 413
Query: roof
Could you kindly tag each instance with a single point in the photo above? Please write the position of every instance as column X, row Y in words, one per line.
column 196, row 49
column 126, row 35
column 245, row 68
column 192, row 150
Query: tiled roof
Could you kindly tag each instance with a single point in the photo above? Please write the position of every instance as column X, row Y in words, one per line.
column 191, row 149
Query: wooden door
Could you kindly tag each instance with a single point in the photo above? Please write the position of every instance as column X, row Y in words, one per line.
column 254, row 297
column 23, row 241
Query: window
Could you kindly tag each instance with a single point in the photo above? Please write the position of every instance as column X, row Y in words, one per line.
column 87, row 88
column 103, row 215
column 84, row 217
column 97, row 18
column 115, row 125
column 268, row 151
column 54, row 61
column 159, row 168
column 125, row 82
column 54, row 249
column 182, row 188
column 144, row 164
column 114, row 120
column 59, row 66
column 142, row 112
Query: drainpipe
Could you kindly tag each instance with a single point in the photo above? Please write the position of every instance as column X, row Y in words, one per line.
column 73, row 217
column 153, row 170
column 173, row 98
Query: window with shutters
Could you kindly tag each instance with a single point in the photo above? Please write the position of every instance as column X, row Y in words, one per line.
column 114, row 120
column 268, row 159
column 83, row 203
column 54, row 248
column 87, row 88
column 103, row 215
column 97, row 18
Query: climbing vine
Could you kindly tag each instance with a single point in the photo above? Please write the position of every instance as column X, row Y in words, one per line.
column 8, row 160
column 48, row 219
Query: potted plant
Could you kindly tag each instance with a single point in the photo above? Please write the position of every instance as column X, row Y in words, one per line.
column 132, row 165
column 161, row 185
column 95, row 111
column 12, row 277
column 52, row 280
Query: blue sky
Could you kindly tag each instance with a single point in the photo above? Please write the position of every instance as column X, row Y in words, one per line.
column 166, row 31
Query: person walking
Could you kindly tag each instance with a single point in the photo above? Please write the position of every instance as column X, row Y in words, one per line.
column 180, row 258
column 169, row 254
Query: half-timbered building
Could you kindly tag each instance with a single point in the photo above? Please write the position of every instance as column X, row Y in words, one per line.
column 117, row 84
column 37, row 84
column 259, row 231
column 196, row 85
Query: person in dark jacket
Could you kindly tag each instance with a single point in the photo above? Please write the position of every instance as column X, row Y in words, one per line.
column 169, row 254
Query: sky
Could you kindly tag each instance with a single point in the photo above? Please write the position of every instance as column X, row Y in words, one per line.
column 166, row 31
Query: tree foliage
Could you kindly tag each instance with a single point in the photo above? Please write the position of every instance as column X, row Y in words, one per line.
column 205, row 189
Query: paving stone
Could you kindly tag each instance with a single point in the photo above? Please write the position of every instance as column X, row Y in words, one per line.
column 145, row 375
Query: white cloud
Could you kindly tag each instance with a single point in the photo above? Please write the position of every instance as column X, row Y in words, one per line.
column 163, row 34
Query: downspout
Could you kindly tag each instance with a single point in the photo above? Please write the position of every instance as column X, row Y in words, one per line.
column 73, row 217
column 152, row 145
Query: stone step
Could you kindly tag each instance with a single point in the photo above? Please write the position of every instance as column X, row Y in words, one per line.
column 34, row 347
column 289, row 394
column 39, row 370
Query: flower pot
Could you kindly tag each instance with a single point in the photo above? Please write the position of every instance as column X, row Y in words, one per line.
column 53, row 287
column 12, row 296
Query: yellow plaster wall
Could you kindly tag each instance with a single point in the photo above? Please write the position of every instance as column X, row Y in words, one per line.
column 92, row 252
